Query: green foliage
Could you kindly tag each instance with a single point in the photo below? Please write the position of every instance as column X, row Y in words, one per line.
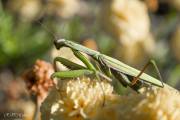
column 20, row 42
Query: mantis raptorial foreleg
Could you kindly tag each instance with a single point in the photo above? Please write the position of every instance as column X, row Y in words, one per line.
column 92, row 67
column 84, row 60
column 73, row 66
column 76, row 70
column 89, row 65
column 135, row 79
column 71, row 73
column 70, row 65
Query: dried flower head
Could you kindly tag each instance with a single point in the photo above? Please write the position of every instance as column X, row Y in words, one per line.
column 127, row 25
column 131, row 29
column 77, row 99
column 153, row 104
column 38, row 79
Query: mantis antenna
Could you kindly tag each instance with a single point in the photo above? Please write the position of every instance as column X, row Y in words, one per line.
column 50, row 32
column 45, row 27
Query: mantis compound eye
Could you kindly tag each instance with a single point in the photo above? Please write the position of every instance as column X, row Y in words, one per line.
column 59, row 43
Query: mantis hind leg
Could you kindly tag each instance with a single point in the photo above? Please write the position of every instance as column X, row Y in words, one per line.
column 135, row 79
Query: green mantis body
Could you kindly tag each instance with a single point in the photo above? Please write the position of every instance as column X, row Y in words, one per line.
column 110, row 67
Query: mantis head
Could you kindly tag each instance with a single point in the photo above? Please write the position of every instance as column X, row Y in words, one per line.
column 59, row 43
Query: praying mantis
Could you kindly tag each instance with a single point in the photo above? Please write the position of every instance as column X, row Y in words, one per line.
column 108, row 67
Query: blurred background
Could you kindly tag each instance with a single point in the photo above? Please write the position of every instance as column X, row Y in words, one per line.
column 133, row 31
